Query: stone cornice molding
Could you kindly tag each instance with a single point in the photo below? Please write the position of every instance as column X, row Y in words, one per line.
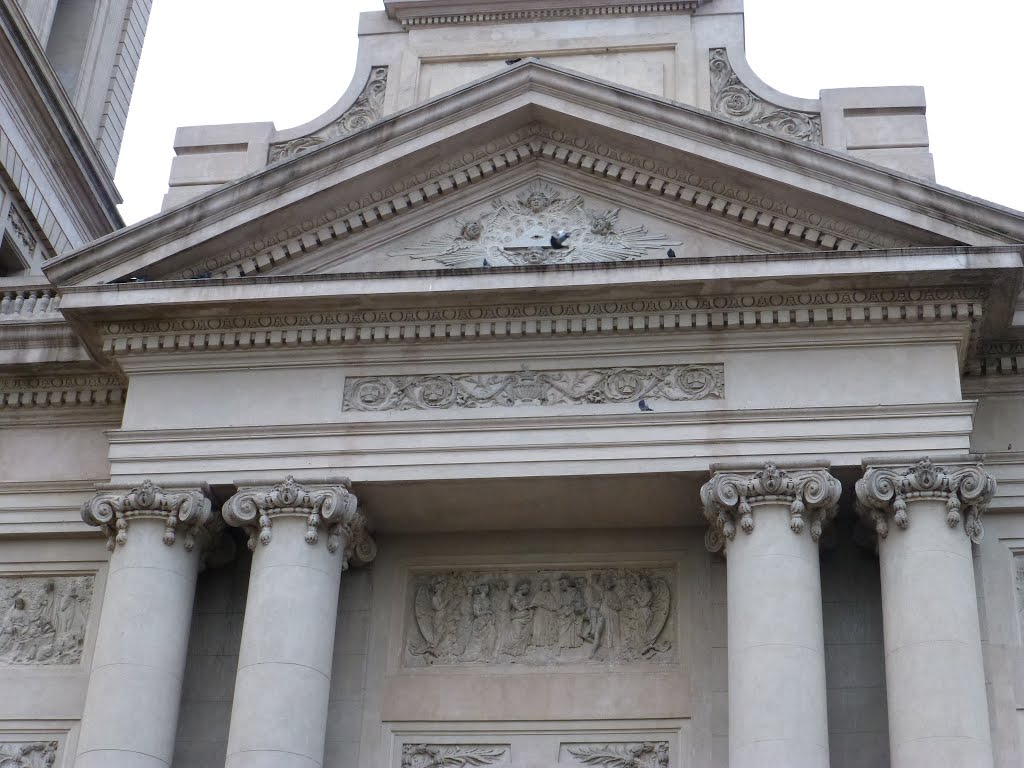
column 730, row 497
column 966, row 489
column 62, row 390
column 333, row 507
column 187, row 511
column 126, row 252
column 425, row 13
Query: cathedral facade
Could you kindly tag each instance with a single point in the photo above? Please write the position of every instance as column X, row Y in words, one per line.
column 563, row 396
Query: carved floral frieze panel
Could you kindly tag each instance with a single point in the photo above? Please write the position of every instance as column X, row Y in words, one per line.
column 730, row 97
column 540, row 617
column 453, row 755
column 601, row 385
column 22, row 754
column 520, row 229
column 641, row 754
column 43, row 619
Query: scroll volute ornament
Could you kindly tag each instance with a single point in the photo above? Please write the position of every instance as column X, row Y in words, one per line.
column 186, row 511
column 884, row 492
column 332, row 507
column 729, row 499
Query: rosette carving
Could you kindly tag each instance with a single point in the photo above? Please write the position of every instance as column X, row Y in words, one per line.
column 185, row 512
column 729, row 500
column 883, row 493
column 332, row 508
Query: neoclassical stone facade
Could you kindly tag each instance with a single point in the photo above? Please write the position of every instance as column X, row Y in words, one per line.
column 562, row 396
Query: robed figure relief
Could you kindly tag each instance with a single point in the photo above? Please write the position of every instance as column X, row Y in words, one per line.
column 540, row 617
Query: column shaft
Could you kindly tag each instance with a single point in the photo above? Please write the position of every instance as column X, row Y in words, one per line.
column 777, row 704
column 279, row 714
column 131, row 708
column 935, row 677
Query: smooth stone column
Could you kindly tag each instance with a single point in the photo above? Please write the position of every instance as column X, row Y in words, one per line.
column 279, row 714
column 769, row 522
column 131, row 707
column 926, row 517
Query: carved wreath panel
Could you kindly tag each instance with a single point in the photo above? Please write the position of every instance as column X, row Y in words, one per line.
column 43, row 619
column 640, row 754
column 452, row 755
column 518, row 231
column 21, row 754
column 602, row 385
column 732, row 98
column 540, row 617
column 366, row 110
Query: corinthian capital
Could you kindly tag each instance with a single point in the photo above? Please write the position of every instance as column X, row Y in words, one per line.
column 883, row 492
column 185, row 511
column 729, row 500
column 333, row 507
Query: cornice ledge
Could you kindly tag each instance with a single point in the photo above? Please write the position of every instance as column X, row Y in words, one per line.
column 421, row 13
column 730, row 497
column 332, row 506
column 247, row 192
column 964, row 485
column 61, row 390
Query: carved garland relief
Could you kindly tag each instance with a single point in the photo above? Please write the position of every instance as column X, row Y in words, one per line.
column 732, row 98
column 539, row 618
column 525, row 387
column 19, row 754
column 645, row 754
column 452, row 755
column 518, row 231
column 638, row 754
column 43, row 619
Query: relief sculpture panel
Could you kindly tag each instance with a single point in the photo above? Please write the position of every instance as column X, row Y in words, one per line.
column 28, row 755
column 644, row 754
column 451, row 755
column 1018, row 580
column 43, row 619
column 540, row 617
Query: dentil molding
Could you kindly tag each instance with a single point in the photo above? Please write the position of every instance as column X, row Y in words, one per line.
column 730, row 498
column 884, row 492
column 189, row 511
column 333, row 507
column 426, row 13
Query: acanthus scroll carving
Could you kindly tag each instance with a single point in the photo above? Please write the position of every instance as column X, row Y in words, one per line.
column 609, row 385
column 729, row 499
column 188, row 511
column 540, row 618
column 28, row 754
column 43, row 619
column 730, row 97
column 366, row 110
column 883, row 493
column 645, row 754
column 333, row 507
column 451, row 755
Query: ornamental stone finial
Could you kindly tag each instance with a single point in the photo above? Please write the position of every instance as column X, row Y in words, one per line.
column 187, row 510
column 729, row 499
column 333, row 506
column 884, row 492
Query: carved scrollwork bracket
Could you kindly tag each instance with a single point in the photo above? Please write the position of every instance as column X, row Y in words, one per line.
column 883, row 493
column 729, row 500
column 333, row 507
column 188, row 512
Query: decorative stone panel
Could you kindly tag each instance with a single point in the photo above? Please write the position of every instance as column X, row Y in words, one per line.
column 23, row 754
column 540, row 617
column 43, row 619
column 641, row 754
column 453, row 755
column 569, row 387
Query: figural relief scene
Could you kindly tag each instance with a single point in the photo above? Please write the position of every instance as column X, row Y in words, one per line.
column 43, row 619
column 541, row 617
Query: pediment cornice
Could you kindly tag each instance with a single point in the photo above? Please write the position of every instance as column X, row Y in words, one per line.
column 526, row 94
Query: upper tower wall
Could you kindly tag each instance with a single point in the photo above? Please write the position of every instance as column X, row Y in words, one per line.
column 688, row 51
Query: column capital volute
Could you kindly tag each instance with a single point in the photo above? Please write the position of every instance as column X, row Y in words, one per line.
column 733, row 492
column 331, row 506
column 964, row 486
column 186, row 511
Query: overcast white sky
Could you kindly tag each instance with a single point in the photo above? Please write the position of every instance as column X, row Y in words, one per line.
column 234, row 61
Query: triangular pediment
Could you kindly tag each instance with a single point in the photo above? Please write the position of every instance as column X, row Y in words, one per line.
column 629, row 175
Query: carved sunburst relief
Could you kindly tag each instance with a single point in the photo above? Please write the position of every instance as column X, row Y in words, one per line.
column 518, row 231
